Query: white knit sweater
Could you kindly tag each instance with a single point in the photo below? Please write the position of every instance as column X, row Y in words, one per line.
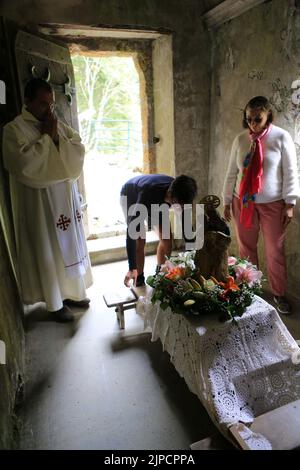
column 280, row 174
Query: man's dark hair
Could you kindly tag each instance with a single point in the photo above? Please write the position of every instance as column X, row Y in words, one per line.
column 183, row 189
column 258, row 102
column 34, row 85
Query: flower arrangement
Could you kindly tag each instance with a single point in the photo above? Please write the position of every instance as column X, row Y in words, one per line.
column 180, row 286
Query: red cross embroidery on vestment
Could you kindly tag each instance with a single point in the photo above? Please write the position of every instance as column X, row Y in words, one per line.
column 78, row 215
column 63, row 222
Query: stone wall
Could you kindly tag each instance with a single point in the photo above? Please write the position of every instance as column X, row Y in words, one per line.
column 11, row 332
column 11, row 311
column 256, row 54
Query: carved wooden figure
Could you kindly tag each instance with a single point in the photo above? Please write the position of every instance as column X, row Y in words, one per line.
column 212, row 258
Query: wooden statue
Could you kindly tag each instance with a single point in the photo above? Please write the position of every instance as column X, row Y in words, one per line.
column 212, row 258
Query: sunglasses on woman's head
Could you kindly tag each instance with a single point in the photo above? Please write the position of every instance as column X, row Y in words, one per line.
column 257, row 120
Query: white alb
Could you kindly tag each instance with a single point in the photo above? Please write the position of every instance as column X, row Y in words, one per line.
column 53, row 262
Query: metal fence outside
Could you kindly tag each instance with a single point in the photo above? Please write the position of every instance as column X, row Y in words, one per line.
column 119, row 136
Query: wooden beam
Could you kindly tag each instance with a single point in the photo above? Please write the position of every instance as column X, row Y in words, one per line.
column 73, row 30
column 227, row 10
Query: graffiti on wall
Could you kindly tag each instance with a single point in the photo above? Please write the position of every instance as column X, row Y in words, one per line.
column 229, row 60
column 256, row 75
column 296, row 93
column 287, row 101
column 280, row 96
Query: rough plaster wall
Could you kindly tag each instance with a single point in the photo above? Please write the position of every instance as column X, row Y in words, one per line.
column 192, row 104
column 11, row 332
column 164, row 105
column 191, row 59
column 11, row 328
column 257, row 54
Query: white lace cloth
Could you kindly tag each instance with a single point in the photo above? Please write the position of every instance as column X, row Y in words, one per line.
column 237, row 371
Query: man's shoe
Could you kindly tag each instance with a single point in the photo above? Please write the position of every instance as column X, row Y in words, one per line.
column 64, row 315
column 282, row 305
column 84, row 303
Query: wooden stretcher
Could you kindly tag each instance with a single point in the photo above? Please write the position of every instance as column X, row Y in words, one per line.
column 125, row 299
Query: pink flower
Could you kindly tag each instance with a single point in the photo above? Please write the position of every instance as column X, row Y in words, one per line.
column 168, row 266
column 247, row 274
column 231, row 260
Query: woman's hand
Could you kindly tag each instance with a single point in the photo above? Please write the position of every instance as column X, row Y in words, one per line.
column 131, row 275
column 287, row 215
column 227, row 213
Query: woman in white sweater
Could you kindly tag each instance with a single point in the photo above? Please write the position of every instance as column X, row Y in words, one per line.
column 260, row 190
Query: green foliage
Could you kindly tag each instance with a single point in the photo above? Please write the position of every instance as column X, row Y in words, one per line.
column 106, row 88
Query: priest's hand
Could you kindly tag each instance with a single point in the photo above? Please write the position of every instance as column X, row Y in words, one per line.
column 227, row 213
column 49, row 126
column 132, row 274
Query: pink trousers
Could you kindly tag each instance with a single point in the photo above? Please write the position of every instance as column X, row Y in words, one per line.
column 269, row 218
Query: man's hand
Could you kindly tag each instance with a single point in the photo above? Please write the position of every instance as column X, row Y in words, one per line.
column 131, row 275
column 287, row 215
column 227, row 213
column 49, row 126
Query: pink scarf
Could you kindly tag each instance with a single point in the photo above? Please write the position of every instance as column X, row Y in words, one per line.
column 251, row 181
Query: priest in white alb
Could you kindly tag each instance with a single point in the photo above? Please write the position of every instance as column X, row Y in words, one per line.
column 44, row 158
